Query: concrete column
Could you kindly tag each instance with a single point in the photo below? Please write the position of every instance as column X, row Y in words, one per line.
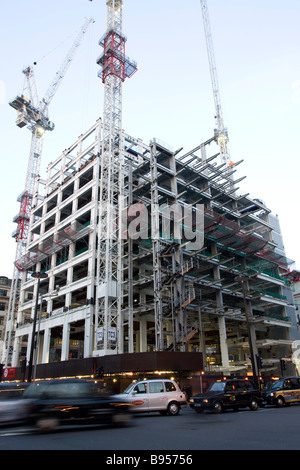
column 223, row 342
column 40, row 349
column 68, row 300
column 46, row 346
column 88, row 336
column 65, row 342
column 143, row 336
column 16, row 352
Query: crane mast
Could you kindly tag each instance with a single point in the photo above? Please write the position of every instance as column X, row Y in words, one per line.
column 115, row 67
column 34, row 114
column 221, row 131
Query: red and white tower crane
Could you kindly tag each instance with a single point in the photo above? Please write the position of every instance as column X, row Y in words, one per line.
column 115, row 67
column 221, row 131
column 33, row 114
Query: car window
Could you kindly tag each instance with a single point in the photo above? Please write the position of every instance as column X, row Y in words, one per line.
column 156, row 387
column 287, row 385
column 35, row 390
column 129, row 388
column 249, row 385
column 230, row 387
column 241, row 386
column 59, row 390
column 140, row 388
column 295, row 383
column 217, row 387
column 99, row 389
column 275, row 384
column 54, row 391
column 170, row 387
column 10, row 394
column 74, row 390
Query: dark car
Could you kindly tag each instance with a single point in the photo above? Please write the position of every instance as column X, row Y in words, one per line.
column 282, row 391
column 66, row 401
column 10, row 409
column 12, row 391
column 228, row 394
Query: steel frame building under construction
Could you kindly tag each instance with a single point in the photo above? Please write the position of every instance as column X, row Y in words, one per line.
column 107, row 228
column 172, row 298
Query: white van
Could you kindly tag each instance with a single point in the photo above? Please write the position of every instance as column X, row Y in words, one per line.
column 155, row 395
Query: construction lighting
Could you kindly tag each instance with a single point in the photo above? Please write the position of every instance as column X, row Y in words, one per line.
column 222, row 139
column 40, row 131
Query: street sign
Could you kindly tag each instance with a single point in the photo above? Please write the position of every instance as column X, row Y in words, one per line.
column 9, row 372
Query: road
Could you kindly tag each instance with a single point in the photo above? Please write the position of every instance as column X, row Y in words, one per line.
column 264, row 429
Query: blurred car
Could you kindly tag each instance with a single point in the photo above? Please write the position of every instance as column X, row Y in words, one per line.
column 282, row 391
column 228, row 394
column 155, row 395
column 51, row 403
column 10, row 405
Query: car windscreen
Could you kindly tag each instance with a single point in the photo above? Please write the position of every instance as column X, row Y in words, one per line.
column 274, row 384
column 217, row 387
column 129, row 388
column 35, row 390
column 58, row 390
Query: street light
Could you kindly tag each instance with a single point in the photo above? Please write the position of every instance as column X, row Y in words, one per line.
column 38, row 276
column 243, row 278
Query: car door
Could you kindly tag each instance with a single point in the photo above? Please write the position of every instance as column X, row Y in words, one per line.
column 294, row 394
column 244, row 394
column 297, row 389
column 157, row 396
column 287, row 391
column 139, row 397
column 230, row 394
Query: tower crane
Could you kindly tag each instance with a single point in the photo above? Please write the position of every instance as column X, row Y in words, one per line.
column 115, row 67
column 34, row 114
column 221, row 131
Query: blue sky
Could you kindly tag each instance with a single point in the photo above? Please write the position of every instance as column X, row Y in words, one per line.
column 257, row 49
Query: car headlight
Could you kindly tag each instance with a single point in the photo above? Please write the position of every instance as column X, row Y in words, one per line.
column 272, row 394
column 205, row 400
column 191, row 400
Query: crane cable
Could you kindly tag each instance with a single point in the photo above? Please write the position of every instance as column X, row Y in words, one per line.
column 56, row 47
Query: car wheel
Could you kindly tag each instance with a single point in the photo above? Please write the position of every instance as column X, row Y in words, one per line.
column 279, row 402
column 47, row 424
column 173, row 408
column 253, row 404
column 218, row 408
column 122, row 419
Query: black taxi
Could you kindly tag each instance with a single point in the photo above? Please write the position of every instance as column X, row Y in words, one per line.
column 282, row 391
column 228, row 394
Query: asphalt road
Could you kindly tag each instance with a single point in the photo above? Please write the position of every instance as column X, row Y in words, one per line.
column 264, row 429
